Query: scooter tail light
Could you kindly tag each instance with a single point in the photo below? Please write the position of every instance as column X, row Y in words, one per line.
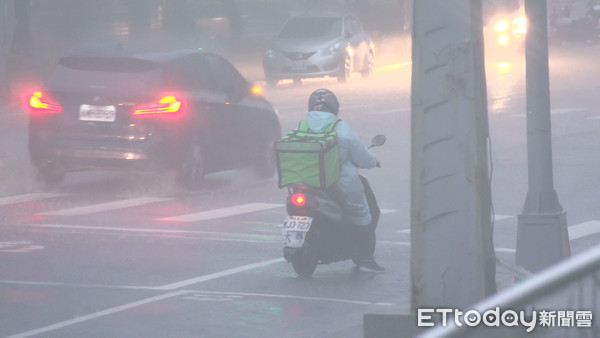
column 166, row 105
column 298, row 199
column 39, row 102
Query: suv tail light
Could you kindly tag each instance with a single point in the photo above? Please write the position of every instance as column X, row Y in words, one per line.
column 166, row 105
column 38, row 102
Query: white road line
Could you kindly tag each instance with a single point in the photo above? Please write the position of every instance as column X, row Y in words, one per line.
column 583, row 229
column 231, row 236
column 505, row 250
column 27, row 198
column 501, row 217
column 335, row 300
column 99, row 314
column 496, row 218
column 105, row 206
column 196, row 280
column 219, row 213
column 557, row 111
column 390, row 111
column 387, row 211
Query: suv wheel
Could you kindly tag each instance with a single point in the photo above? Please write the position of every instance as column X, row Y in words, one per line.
column 369, row 66
column 265, row 161
column 191, row 173
column 50, row 175
column 271, row 81
column 344, row 75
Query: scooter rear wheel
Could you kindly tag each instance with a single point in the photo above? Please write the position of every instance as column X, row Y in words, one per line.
column 306, row 260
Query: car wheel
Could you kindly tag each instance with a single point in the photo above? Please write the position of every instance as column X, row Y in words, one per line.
column 50, row 175
column 344, row 75
column 265, row 161
column 271, row 82
column 191, row 173
column 369, row 66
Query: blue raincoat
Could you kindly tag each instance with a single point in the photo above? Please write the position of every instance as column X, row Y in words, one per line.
column 353, row 155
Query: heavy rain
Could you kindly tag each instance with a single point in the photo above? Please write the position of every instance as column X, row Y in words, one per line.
column 141, row 185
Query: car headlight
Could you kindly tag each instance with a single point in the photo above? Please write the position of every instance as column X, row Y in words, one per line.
column 331, row 49
column 270, row 53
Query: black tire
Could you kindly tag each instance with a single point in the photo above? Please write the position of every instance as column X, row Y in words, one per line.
column 50, row 175
column 271, row 82
column 265, row 165
column 370, row 65
column 191, row 172
column 307, row 258
column 346, row 70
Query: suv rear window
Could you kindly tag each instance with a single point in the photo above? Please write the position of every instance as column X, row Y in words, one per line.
column 107, row 64
column 100, row 74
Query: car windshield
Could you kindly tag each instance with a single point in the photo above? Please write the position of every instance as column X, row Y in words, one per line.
column 312, row 28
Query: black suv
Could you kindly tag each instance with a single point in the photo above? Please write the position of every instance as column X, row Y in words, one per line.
column 188, row 110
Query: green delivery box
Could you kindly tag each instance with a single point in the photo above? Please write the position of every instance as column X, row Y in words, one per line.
column 309, row 158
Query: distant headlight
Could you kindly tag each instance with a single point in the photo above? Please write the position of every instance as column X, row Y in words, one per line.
column 332, row 49
column 270, row 53
column 501, row 26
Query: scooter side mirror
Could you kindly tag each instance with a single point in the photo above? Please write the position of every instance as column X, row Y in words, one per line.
column 378, row 140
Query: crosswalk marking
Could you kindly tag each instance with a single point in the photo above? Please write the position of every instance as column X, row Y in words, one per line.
column 27, row 198
column 584, row 229
column 219, row 213
column 575, row 231
column 90, row 209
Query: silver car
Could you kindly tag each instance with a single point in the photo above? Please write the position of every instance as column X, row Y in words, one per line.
column 319, row 45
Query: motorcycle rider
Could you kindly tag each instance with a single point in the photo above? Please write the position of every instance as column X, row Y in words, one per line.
column 323, row 109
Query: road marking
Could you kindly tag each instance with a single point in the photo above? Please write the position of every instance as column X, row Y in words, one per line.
column 496, row 218
column 90, row 209
column 27, row 198
column 231, row 236
column 583, row 229
column 390, row 111
column 200, row 279
column 501, row 217
column 505, row 250
column 557, row 111
column 99, row 314
column 246, row 294
column 19, row 246
column 131, row 305
column 220, row 213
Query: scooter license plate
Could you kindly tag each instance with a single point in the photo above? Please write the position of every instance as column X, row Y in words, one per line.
column 295, row 229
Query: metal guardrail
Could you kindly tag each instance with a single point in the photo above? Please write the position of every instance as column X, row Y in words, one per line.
column 560, row 276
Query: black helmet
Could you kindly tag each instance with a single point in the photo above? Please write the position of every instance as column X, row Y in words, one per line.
column 323, row 100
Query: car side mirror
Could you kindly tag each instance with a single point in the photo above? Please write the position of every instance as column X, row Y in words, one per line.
column 378, row 140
